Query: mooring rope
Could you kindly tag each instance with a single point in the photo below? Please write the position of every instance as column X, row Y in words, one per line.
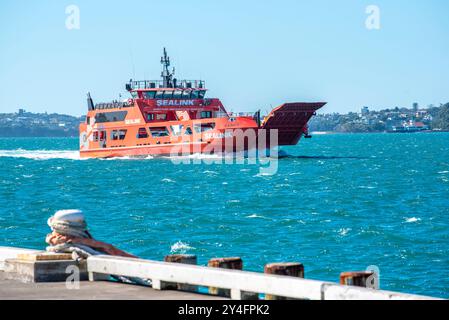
column 70, row 235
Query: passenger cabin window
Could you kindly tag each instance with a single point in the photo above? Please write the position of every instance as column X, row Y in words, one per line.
column 206, row 114
column 177, row 129
column 159, row 132
column 118, row 134
column 203, row 127
column 114, row 116
column 188, row 131
column 156, row 116
column 142, row 133
column 149, row 94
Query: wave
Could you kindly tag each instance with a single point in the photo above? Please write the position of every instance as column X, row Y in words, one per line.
column 41, row 154
column 412, row 220
column 180, row 247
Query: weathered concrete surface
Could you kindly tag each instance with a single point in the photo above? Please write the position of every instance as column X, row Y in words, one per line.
column 16, row 290
column 11, row 253
column 42, row 271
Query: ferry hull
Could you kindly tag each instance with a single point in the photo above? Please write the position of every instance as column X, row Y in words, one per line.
column 285, row 125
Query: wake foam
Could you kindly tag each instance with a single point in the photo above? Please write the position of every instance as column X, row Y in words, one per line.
column 41, row 154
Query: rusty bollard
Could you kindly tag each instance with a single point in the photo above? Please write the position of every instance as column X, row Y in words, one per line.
column 234, row 263
column 291, row 269
column 365, row 279
column 185, row 259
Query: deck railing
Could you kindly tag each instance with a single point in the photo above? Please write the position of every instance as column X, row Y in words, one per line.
column 153, row 84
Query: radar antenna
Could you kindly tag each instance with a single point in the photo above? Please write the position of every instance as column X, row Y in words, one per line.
column 167, row 77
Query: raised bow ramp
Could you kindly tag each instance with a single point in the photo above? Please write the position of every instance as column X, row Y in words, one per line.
column 290, row 119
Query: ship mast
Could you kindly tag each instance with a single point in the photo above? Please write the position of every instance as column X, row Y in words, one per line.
column 167, row 77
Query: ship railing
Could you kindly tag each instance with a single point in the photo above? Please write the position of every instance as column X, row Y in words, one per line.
column 111, row 105
column 241, row 114
column 154, row 84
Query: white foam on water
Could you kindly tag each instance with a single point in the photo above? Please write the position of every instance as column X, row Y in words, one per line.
column 196, row 156
column 168, row 180
column 147, row 157
column 344, row 231
column 180, row 247
column 412, row 220
column 254, row 216
column 443, row 172
column 262, row 174
column 210, row 172
column 41, row 154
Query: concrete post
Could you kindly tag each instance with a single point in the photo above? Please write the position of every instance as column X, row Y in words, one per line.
column 290, row 269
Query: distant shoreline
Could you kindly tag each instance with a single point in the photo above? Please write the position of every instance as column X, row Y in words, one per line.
column 318, row 133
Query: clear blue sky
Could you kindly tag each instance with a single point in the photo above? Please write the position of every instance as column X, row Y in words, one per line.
column 252, row 54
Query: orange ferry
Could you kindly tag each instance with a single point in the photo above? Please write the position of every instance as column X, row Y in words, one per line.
column 173, row 117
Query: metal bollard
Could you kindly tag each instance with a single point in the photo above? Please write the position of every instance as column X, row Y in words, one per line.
column 234, row 263
column 365, row 279
column 185, row 259
column 290, row 269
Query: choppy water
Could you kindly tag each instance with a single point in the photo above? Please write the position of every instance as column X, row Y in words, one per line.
column 338, row 203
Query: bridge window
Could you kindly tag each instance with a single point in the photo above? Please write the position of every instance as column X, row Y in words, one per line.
column 206, row 114
column 198, row 94
column 177, row 129
column 188, row 131
column 118, row 134
column 186, row 94
column 159, row 131
column 203, row 127
column 177, row 94
column 195, row 95
column 159, row 94
column 149, row 94
column 168, row 94
column 142, row 133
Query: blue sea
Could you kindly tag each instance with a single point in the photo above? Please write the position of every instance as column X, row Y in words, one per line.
column 337, row 203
